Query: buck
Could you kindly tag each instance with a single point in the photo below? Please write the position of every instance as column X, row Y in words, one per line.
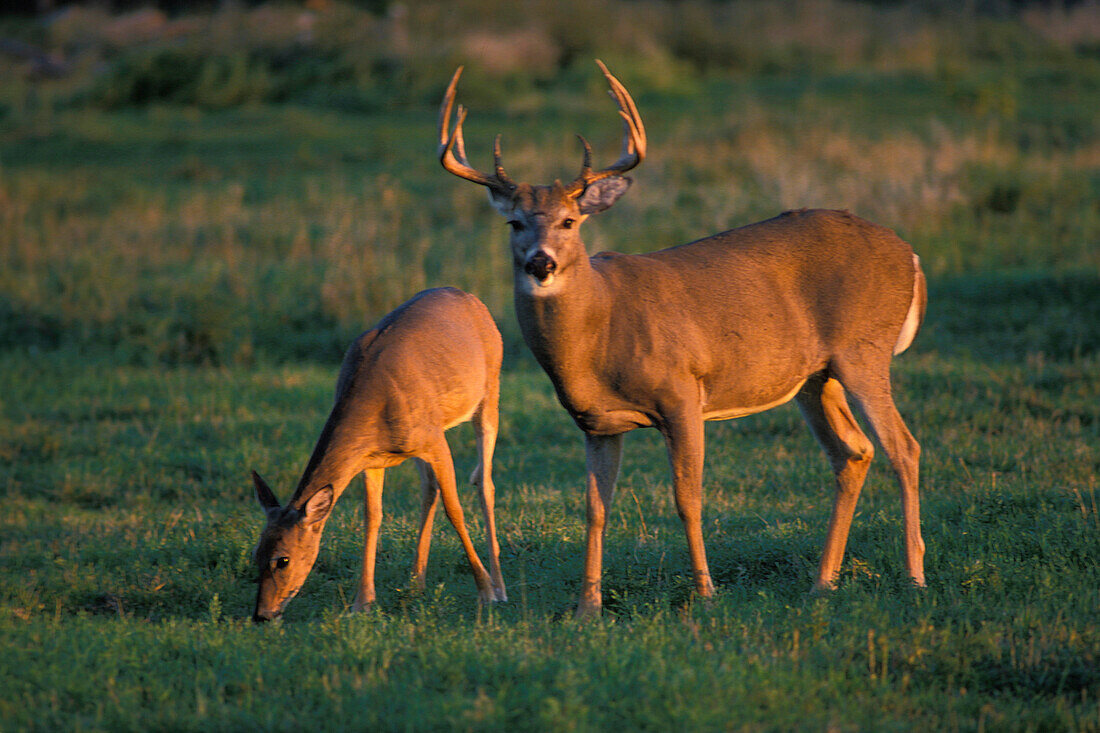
column 810, row 305
column 429, row 365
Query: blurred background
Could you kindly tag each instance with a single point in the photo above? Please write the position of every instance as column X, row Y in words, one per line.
column 216, row 183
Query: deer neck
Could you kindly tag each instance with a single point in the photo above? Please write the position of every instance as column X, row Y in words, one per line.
column 336, row 458
column 562, row 328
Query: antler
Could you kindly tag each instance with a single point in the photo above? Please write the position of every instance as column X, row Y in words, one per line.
column 452, row 148
column 634, row 141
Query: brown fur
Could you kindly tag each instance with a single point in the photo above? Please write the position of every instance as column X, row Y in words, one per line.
column 808, row 305
column 430, row 364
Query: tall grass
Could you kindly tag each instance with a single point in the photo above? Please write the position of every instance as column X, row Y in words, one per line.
column 290, row 235
column 175, row 232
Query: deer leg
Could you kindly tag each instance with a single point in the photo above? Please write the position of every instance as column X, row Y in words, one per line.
column 485, row 431
column 826, row 411
column 440, row 462
column 372, row 520
column 603, row 454
column 429, row 500
column 873, row 397
column 684, row 438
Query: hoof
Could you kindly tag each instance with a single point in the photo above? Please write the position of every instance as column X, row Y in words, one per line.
column 587, row 613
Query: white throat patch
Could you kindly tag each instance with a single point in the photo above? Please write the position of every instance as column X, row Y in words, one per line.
column 529, row 285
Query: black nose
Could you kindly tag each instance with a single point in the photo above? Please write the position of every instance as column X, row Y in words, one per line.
column 540, row 266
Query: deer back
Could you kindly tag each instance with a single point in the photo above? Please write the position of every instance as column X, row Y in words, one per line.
column 423, row 369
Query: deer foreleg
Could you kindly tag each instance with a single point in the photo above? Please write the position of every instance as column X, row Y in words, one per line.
column 685, row 441
column 603, row 454
column 372, row 520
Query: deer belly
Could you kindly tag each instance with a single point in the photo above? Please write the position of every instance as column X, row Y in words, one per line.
column 728, row 412
column 460, row 418
column 610, row 422
column 456, row 408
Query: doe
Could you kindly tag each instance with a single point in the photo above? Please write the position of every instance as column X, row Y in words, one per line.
column 431, row 364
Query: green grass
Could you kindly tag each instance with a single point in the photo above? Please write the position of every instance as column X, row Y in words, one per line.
column 178, row 283
column 128, row 524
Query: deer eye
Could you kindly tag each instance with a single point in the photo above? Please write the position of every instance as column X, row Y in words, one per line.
column 568, row 223
column 517, row 225
column 282, row 562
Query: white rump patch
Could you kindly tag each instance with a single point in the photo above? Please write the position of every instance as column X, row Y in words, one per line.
column 912, row 318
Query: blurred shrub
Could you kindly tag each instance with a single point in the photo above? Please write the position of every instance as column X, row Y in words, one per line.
column 175, row 76
column 23, row 327
column 390, row 54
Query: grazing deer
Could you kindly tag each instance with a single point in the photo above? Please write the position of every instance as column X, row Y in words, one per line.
column 429, row 365
column 810, row 305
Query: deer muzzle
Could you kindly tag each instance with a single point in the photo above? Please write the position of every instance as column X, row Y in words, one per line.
column 266, row 608
column 540, row 266
column 264, row 612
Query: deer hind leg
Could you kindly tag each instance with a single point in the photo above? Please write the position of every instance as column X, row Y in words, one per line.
column 372, row 520
column 429, row 500
column 485, row 431
column 822, row 403
column 872, row 395
column 439, row 460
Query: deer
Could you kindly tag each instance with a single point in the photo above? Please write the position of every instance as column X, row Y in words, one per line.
column 431, row 364
column 811, row 305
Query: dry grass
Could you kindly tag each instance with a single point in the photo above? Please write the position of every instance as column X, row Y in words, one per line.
column 87, row 248
column 282, row 215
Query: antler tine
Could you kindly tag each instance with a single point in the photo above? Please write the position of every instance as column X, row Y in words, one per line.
column 634, row 139
column 459, row 147
column 446, row 108
column 452, row 147
column 460, row 143
column 586, row 166
column 498, row 165
column 628, row 111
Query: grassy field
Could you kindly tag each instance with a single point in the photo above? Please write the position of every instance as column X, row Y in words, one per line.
column 179, row 278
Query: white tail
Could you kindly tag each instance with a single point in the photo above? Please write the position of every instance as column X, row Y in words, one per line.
column 429, row 365
column 793, row 307
column 915, row 315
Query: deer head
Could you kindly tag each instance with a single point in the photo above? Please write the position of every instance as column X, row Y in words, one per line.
column 287, row 548
column 546, row 219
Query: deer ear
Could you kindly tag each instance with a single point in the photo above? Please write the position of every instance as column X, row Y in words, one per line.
column 319, row 505
column 501, row 200
column 263, row 493
column 601, row 194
